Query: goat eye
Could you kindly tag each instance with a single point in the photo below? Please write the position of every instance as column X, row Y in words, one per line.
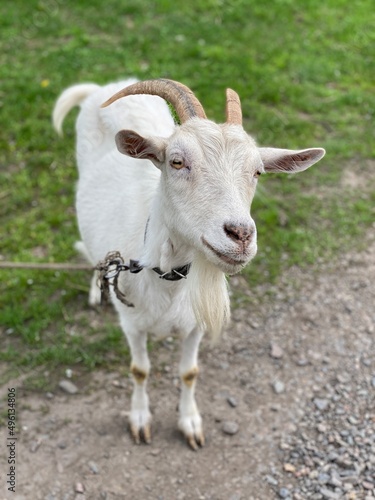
column 177, row 163
column 257, row 174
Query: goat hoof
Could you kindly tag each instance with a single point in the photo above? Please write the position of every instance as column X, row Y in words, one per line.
column 191, row 428
column 140, row 426
column 195, row 441
column 141, row 434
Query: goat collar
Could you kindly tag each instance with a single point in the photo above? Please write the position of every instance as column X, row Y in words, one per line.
column 113, row 264
column 175, row 274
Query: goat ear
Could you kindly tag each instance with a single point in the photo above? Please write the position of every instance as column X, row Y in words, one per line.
column 288, row 160
column 132, row 144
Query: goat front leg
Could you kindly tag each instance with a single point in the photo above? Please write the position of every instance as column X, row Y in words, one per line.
column 140, row 416
column 190, row 421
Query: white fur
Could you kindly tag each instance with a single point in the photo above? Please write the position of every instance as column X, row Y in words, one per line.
column 187, row 212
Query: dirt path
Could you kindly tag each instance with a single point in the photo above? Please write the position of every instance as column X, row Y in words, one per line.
column 280, row 377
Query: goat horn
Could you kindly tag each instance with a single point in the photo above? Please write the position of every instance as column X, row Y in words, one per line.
column 233, row 108
column 181, row 97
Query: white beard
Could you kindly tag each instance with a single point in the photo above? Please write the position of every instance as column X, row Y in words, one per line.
column 209, row 296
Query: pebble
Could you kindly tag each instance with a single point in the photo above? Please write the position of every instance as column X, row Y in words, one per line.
column 330, row 494
column 271, row 480
column 276, row 351
column 93, row 467
column 323, row 478
column 289, row 467
column 232, row 402
column 321, row 404
column 230, row 427
column 302, row 362
column 68, row 387
column 284, row 493
column 278, row 387
column 79, row 488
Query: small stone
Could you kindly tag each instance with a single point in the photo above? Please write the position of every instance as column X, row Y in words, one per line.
column 335, row 481
column 329, row 494
column 367, row 485
column 345, row 463
column 373, row 382
column 353, row 479
column 302, row 362
column 289, row 468
column 49, row 395
column 79, row 488
column 68, row 387
column 283, row 492
column 278, row 387
column 232, row 402
column 276, row 351
column 155, row 452
column 352, row 420
column 62, row 445
column 332, row 456
column 230, row 428
column 271, row 480
column 321, row 404
column 323, row 478
column 93, row 467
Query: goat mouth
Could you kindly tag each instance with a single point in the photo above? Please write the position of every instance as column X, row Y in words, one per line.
column 222, row 256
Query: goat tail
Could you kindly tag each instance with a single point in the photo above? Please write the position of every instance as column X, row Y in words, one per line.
column 71, row 97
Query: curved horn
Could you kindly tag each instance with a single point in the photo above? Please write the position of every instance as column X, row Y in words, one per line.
column 181, row 97
column 233, row 108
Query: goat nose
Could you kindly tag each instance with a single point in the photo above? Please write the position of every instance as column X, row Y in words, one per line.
column 240, row 233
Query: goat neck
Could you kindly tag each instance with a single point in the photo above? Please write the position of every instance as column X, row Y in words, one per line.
column 162, row 247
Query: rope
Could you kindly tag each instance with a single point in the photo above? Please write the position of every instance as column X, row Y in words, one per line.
column 50, row 266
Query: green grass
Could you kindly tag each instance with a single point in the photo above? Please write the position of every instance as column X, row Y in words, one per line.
column 305, row 76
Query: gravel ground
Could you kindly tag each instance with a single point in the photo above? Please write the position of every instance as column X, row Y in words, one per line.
column 288, row 400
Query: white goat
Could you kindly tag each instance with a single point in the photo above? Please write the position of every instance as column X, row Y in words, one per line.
column 193, row 208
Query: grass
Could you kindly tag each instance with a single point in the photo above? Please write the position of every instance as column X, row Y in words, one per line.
column 305, row 76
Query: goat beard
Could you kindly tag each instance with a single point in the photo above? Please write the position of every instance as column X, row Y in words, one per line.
column 209, row 296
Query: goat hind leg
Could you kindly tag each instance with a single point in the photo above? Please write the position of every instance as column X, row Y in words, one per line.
column 190, row 421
